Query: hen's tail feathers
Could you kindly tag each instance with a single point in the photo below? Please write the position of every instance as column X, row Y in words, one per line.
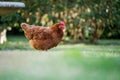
column 24, row 26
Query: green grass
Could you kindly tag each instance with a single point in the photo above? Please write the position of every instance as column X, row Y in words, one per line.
column 18, row 61
column 15, row 42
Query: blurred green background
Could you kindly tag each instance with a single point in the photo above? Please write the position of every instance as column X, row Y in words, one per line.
column 90, row 49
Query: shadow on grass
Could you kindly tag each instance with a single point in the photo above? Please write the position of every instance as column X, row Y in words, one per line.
column 15, row 42
column 20, row 42
column 99, row 42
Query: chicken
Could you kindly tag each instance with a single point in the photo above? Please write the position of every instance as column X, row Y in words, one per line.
column 43, row 38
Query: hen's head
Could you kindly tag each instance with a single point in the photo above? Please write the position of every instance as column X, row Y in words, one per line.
column 62, row 25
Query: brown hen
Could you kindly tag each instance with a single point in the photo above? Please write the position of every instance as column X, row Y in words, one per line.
column 43, row 38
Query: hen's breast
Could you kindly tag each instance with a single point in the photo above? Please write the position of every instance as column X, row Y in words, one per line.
column 44, row 44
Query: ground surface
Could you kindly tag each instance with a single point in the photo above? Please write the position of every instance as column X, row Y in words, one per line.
column 18, row 61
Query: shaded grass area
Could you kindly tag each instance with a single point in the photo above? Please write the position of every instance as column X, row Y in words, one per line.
column 64, row 62
column 20, row 42
column 15, row 42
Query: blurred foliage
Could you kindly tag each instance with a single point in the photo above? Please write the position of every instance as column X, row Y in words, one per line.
column 85, row 19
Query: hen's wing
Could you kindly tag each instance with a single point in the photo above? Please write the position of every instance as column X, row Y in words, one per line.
column 41, row 33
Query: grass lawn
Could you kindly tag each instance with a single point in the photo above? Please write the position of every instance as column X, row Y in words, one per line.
column 18, row 61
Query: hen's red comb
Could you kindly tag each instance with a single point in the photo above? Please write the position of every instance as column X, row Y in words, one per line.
column 62, row 22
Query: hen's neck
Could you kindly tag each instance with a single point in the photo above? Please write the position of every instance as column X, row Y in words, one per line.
column 55, row 27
